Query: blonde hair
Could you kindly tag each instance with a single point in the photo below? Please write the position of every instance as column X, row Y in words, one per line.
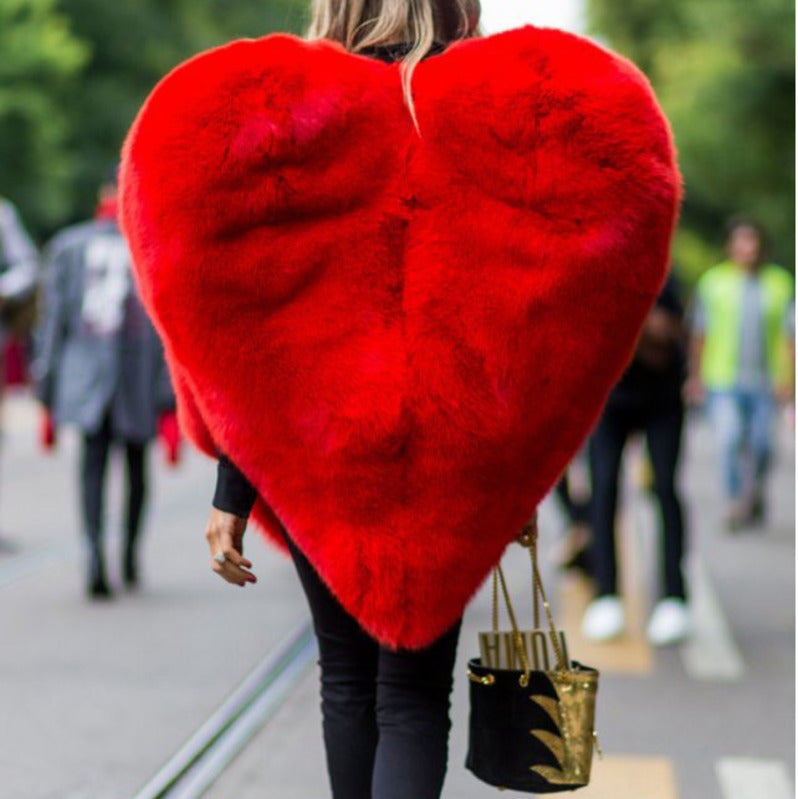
column 358, row 24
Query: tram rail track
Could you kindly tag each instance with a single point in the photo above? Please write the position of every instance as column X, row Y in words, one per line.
column 202, row 759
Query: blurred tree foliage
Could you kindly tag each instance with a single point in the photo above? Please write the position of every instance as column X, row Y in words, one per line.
column 73, row 73
column 724, row 71
column 40, row 58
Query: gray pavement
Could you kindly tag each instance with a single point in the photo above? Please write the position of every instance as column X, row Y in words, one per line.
column 96, row 698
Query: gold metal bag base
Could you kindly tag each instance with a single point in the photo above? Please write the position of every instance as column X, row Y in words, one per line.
column 531, row 724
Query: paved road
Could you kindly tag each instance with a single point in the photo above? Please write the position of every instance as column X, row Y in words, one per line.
column 96, row 698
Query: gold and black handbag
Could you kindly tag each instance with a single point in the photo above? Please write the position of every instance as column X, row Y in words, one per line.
column 532, row 708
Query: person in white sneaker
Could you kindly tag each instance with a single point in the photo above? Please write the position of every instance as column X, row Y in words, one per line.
column 604, row 619
column 669, row 623
column 648, row 398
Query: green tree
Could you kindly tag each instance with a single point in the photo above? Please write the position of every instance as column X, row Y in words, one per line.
column 73, row 73
column 39, row 57
column 724, row 72
column 133, row 46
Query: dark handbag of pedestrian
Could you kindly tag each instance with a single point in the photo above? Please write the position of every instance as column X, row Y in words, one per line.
column 532, row 708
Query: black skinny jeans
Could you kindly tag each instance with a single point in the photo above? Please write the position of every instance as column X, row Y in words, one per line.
column 93, row 467
column 385, row 713
column 663, row 429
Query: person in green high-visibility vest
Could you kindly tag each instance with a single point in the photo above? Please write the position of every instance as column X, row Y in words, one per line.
column 741, row 362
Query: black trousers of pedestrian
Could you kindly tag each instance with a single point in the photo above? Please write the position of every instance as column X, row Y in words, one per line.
column 385, row 713
column 94, row 461
column 663, row 429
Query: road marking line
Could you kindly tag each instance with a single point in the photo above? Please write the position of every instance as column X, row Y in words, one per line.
column 711, row 652
column 751, row 778
column 632, row 778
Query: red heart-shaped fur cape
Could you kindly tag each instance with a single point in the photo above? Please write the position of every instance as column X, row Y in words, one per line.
column 401, row 338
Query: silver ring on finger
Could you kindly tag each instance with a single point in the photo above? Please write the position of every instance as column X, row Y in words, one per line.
column 220, row 558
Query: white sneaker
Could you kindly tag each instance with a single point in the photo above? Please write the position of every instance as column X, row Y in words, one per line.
column 670, row 622
column 604, row 619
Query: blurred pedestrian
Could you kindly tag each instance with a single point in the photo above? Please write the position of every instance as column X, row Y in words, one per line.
column 19, row 268
column 648, row 398
column 99, row 365
column 576, row 544
column 788, row 395
column 740, row 362
column 19, row 274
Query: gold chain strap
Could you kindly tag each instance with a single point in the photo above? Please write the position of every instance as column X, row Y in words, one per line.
column 528, row 539
column 555, row 639
column 519, row 646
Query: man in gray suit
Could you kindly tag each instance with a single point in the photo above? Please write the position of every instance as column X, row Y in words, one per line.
column 99, row 365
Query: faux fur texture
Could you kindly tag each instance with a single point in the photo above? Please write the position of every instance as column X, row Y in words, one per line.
column 400, row 340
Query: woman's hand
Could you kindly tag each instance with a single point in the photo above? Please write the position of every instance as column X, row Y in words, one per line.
column 225, row 535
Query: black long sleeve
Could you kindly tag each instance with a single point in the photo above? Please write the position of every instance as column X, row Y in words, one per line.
column 234, row 493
